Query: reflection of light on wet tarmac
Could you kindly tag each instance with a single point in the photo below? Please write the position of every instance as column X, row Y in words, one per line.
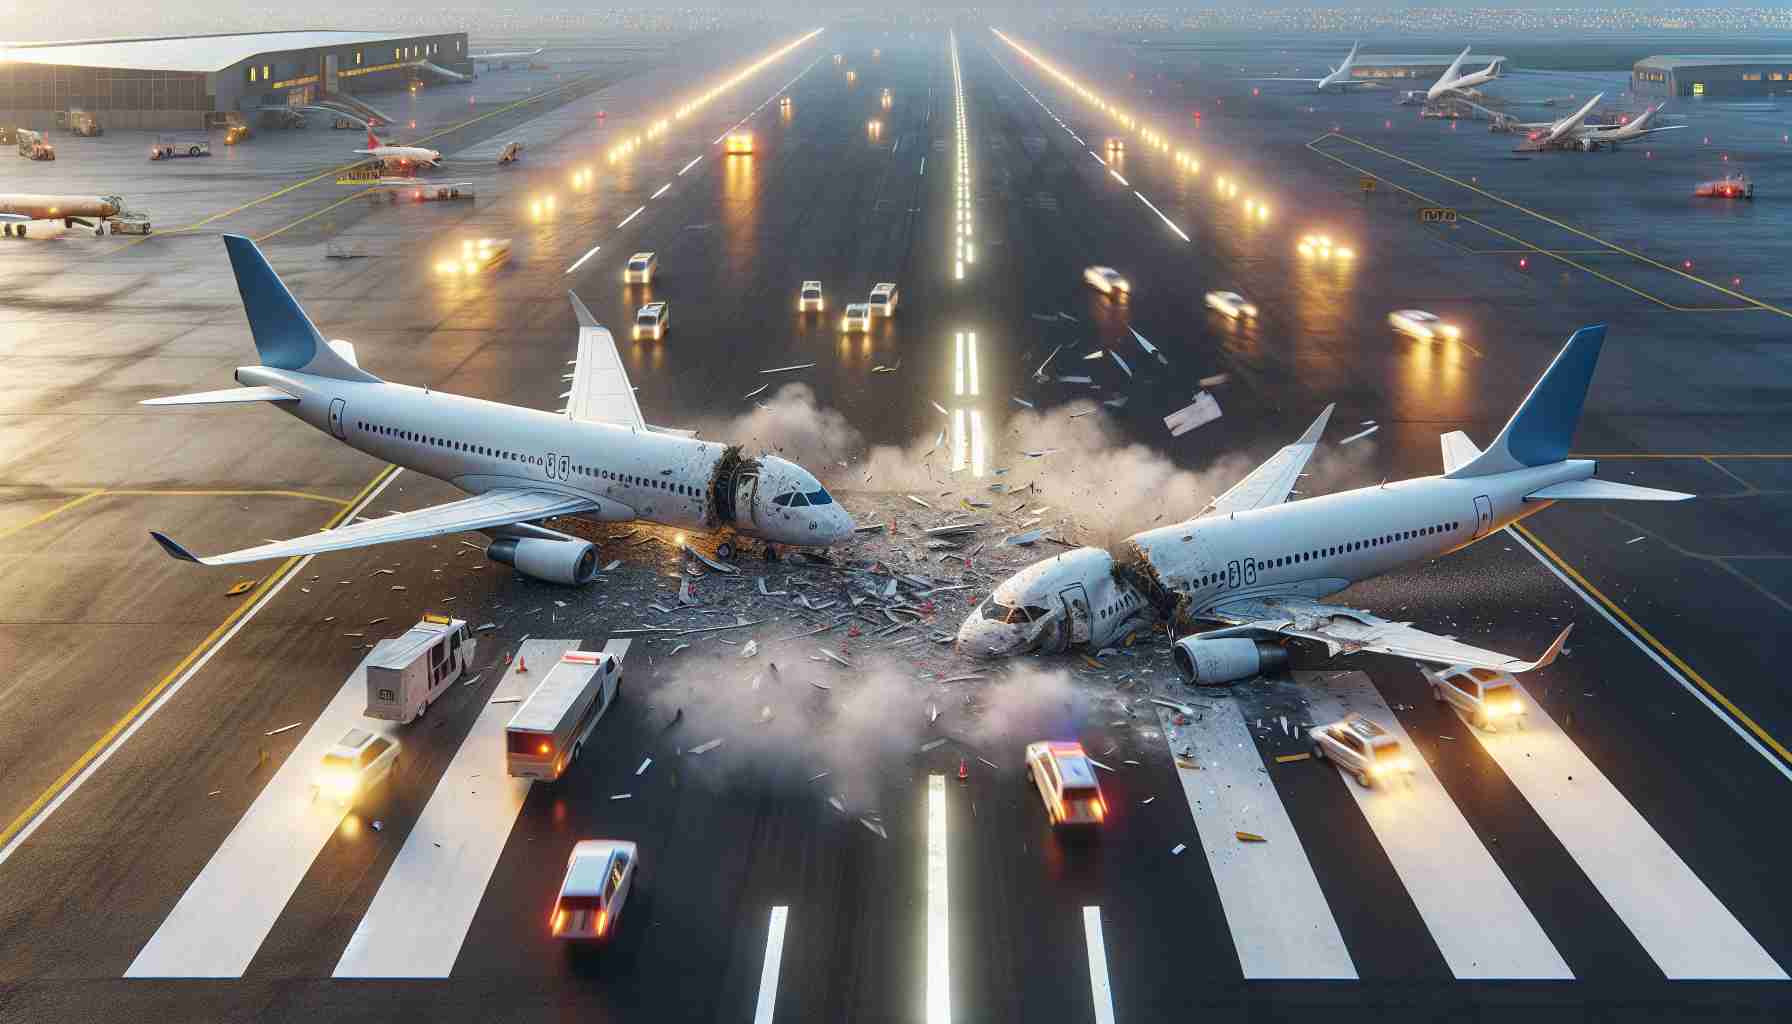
column 962, row 254
column 968, row 441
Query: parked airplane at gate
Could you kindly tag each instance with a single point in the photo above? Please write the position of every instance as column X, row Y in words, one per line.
column 401, row 155
column 19, row 209
column 599, row 460
column 1454, row 82
column 1589, row 137
column 1256, row 564
column 1559, row 133
column 1341, row 77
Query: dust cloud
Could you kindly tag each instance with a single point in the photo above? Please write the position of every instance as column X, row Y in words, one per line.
column 871, row 720
column 1111, row 487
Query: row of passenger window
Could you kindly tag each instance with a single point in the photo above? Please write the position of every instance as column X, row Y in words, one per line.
column 532, row 460
column 1355, row 545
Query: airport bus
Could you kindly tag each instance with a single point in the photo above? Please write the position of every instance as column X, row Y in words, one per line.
column 551, row 728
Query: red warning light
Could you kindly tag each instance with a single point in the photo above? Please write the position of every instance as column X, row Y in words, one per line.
column 1686, row 263
column 1387, row 124
column 1523, row 262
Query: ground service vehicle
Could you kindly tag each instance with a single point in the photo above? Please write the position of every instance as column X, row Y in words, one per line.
column 1727, row 187
column 810, row 297
column 511, row 152
column 1486, row 697
column 640, row 268
column 1361, row 748
column 857, row 319
column 883, row 299
column 1065, row 779
column 167, row 147
column 740, row 144
column 1417, row 323
column 80, row 122
column 407, row 673
column 550, row 730
column 355, row 765
column 599, row 875
column 33, row 146
column 651, row 321
column 1107, row 281
column 1231, row 304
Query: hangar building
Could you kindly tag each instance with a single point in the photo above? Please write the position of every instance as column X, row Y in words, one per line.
column 186, row 81
column 1728, row 74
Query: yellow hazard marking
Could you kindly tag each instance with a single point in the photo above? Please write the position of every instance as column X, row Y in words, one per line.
column 1291, row 758
column 240, row 587
column 1250, row 837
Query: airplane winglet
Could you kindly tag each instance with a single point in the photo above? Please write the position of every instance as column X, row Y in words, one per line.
column 579, row 310
column 1549, row 656
column 175, row 551
column 1318, row 428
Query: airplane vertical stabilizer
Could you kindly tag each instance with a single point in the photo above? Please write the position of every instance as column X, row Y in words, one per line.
column 1542, row 429
column 285, row 337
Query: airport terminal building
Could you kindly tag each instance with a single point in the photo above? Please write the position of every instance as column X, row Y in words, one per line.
column 182, row 82
column 1713, row 75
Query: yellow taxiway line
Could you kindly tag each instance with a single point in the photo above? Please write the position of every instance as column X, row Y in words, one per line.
column 1555, row 254
column 1637, row 629
column 271, row 580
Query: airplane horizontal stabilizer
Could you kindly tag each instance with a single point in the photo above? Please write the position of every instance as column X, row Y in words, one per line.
column 1594, row 489
column 1459, row 451
column 228, row 396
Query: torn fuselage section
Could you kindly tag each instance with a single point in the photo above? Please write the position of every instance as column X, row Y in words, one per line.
column 733, row 486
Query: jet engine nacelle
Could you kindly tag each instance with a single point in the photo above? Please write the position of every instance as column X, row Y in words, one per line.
column 1226, row 659
column 568, row 562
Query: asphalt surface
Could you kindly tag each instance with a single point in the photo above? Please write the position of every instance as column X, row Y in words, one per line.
column 97, row 616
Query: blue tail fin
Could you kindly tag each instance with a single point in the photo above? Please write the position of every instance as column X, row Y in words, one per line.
column 285, row 338
column 1542, row 429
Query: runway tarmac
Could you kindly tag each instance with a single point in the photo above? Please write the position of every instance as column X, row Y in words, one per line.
column 1648, row 885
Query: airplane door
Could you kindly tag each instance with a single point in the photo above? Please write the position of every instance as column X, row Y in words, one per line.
column 1076, row 612
column 337, row 408
column 1483, row 515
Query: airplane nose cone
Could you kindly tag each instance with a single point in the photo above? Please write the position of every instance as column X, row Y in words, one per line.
column 979, row 639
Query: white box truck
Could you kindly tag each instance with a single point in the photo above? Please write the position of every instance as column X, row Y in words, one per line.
column 550, row 729
column 406, row 673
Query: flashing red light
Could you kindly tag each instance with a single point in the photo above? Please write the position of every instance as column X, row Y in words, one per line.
column 1255, row 91
column 1726, row 158
column 1523, row 262
column 1707, row 140
column 1686, row 263
column 413, row 124
column 1388, row 123
column 602, row 114
column 1735, row 282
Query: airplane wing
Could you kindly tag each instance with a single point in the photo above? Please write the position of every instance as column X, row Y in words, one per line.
column 600, row 391
column 1270, row 483
column 505, row 54
column 501, row 507
column 1349, row 631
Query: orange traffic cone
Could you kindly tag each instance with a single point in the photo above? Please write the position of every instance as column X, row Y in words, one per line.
column 522, row 665
column 964, row 770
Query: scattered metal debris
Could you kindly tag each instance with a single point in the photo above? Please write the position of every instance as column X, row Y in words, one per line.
column 284, row 728
column 704, row 748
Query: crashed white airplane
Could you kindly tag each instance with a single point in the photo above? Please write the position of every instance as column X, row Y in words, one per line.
column 598, row 459
column 1257, row 565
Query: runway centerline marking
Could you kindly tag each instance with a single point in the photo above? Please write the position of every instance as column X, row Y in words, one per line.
column 576, row 264
column 1099, row 989
column 72, row 778
column 939, row 956
column 768, row 974
column 1676, row 667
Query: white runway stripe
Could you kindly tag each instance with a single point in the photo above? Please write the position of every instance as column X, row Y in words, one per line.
column 1673, row 915
column 1479, row 922
column 419, row 918
column 225, row 915
column 1278, row 916
column 939, row 954
column 1099, row 989
column 768, row 974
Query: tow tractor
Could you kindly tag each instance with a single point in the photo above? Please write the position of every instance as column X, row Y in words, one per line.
column 416, row 191
column 167, row 147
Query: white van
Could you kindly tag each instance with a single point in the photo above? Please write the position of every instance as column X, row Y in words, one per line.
column 550, row 729
column 405, row 674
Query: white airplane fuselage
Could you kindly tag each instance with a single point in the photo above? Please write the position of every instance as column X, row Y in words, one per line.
column 23, row 208
column 478, row 446
column 1313, row 547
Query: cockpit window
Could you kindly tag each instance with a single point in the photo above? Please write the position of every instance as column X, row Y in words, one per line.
column 1034, row 613
column 1012, row 616
column 791, row 499
column 821, row 497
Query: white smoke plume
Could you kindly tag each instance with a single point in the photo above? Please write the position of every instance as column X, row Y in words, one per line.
column 1112, row 487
